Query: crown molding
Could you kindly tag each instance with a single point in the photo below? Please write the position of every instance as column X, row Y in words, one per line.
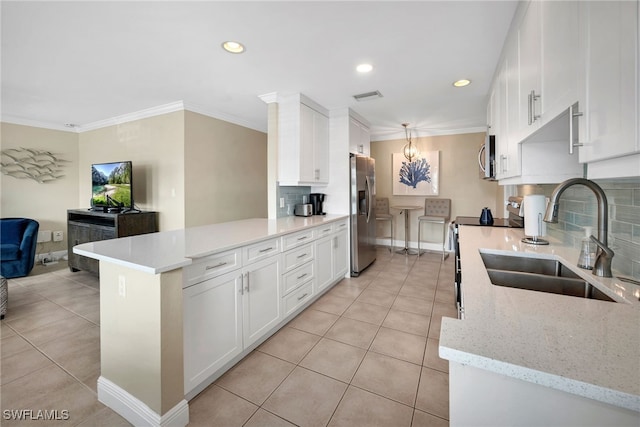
column 130, row 117
column 36, row 124
column 377, row 136
column 225, row 117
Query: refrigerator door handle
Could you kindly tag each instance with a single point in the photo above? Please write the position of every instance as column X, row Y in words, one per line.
column 367, row 196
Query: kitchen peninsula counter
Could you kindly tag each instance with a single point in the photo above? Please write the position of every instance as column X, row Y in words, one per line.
column 169, row 250
column 580, row 347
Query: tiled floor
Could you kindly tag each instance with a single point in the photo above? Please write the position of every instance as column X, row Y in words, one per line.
column 364, row 354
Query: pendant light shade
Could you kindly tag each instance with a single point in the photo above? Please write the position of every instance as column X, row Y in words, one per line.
column 410, row 151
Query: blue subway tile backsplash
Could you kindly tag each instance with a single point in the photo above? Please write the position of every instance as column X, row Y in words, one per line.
column 578, row 208
column 292, row 196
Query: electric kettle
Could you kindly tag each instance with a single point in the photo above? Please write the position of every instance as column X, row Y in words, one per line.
column 485, row 217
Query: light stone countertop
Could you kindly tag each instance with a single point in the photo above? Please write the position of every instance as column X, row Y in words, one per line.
column 169, row 250
column 586, row 347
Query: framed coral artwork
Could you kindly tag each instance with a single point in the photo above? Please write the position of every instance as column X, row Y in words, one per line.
column 416, row 178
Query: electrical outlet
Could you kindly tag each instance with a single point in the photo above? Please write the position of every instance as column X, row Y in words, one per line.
column 282, row 202
column 122, row 287
column 58, row 236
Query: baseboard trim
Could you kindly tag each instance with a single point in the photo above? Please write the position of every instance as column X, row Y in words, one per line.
column 137, row 412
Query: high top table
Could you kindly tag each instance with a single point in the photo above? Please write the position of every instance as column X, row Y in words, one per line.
column 406, row 208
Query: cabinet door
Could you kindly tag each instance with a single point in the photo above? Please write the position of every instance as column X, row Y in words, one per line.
column 507, row 146
column 359, row 138
column 609, row 125
column 212, row 326
column 324, row 262
column 529, row 57
column 261, row 300
column 340, row 255
column 320, row 148
column 307, row 172
column 560, row 57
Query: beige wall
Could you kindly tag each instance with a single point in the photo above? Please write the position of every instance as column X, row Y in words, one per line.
column 155, row 145
column 47, row 203
column 459, row 179
column 225, row 171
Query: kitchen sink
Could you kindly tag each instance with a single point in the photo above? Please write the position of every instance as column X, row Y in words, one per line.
column 537, row 274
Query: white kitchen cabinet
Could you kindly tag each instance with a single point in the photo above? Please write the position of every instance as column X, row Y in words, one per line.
column 340, row 251
column 359, row 137
column 528, row 72
column 261, row 298
column 609, row 126
column 507, row 144
column 303, row 141
column 324, row 262
column 212, row 326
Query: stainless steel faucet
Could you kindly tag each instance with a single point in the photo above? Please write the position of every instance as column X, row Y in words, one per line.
column 602, row 266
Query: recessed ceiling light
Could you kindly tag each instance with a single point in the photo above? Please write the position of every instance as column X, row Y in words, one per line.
column 462, row 83
column 364, row 68
column 233, row 47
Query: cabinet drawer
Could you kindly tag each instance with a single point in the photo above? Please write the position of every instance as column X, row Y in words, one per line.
column 296, row 239
column 261, row 250
column 296, row 257
column 295, row 278
column 323, row 230
column 340, row 225
column 211, row 266
column 297, row 298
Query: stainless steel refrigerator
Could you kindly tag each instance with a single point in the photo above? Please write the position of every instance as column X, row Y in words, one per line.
column 363, row 217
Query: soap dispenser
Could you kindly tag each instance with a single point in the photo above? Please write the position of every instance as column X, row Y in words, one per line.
column 587, row 251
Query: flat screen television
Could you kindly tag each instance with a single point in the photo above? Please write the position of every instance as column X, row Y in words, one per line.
column 111, row 186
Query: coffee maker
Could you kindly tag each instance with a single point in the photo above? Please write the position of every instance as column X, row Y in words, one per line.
column 316, row 202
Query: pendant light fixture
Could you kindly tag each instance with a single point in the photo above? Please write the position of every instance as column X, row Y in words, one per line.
column 410, row 151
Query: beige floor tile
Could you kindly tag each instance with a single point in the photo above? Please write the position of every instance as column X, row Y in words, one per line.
column 418, row 291
column 263, row 418
column 20, row 296
column 365, row 312
column 78, row 353
column 407, row 322
column 21, row 364
column 13, row 344
column 413, row 305
column 35, row 315
column 332, row 304
column 422, row 419
column 362, row 408
column 106, row 417
column 353, row 332
column 70, row 295
column 5, row 330
column 424, row 279
column 440, row 310
column 383, row 285
column 371, row 296
column 334, row 359
column 256, row 376
column 314, row 321
column 389, row 377
column 446, row 294
column 401, row 345
column 50, row 388
column 306, row 398
column 217, row 407
column 392, row 276
column 84, row 305
column 289, row 344
column 432, row 359
column 56, row 330
column 433, row 393
column 344, row 290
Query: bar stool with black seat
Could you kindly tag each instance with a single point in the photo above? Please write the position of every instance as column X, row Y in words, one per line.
column 382, row 214
column 436, row 211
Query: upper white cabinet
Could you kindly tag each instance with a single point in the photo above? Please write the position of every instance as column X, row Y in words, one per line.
column 303, row 141
column 359, row 137
column 609, row 126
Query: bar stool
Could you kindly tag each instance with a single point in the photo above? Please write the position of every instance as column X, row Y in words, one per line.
column 436, row 211
column 382, row 214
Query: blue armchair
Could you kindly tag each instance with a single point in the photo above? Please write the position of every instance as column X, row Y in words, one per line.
column 18, row 238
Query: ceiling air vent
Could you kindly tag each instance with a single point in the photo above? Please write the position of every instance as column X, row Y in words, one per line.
column 368, row 95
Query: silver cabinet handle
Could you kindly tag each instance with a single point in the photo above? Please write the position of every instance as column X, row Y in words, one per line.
column 246, row 275
column 529, row 108
column 301, row 256
column 303, row 296
column 534, row 98
column 302, row 238
column 300, row 277
column 266, row 250
column 573, row 114
column 211, row 267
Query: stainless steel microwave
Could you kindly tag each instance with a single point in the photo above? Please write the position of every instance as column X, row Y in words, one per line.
column 487, row 158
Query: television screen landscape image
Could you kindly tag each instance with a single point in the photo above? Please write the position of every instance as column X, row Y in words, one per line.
column 111, row 185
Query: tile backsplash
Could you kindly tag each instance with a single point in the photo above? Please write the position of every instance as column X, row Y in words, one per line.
column 578, row 209
column 292, row 196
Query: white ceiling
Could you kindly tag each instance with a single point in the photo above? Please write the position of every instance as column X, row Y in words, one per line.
column 85, row 62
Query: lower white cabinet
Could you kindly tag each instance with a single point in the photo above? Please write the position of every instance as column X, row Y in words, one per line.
column 324, row 262
column 261, row 298
column 340, row 251
column 212, row 326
